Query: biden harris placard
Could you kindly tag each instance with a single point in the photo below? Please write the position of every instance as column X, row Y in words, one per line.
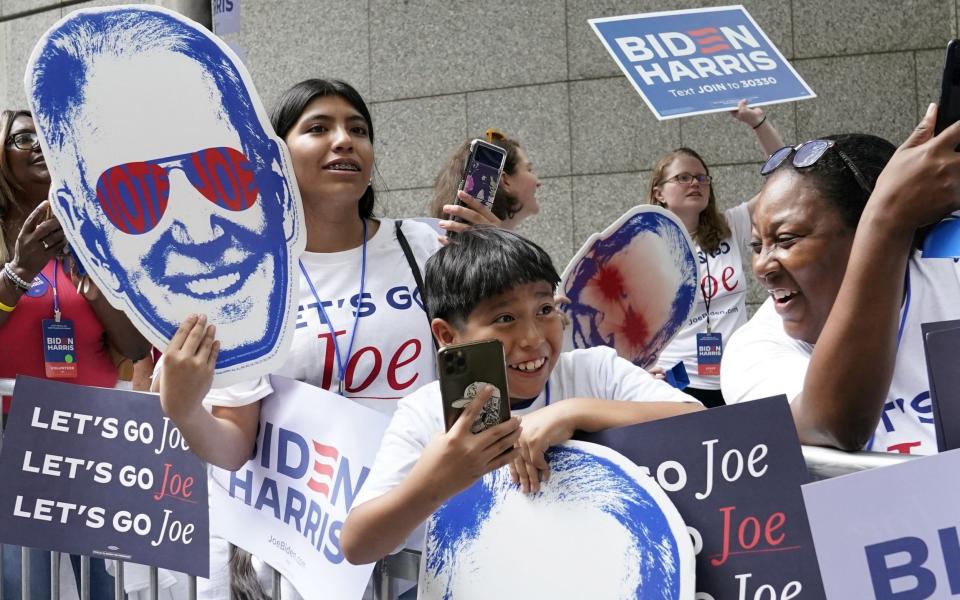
column 171, row 187
column 288, row 503
column 691, row 62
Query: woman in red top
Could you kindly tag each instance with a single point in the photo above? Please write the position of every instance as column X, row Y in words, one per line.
column 39, row 289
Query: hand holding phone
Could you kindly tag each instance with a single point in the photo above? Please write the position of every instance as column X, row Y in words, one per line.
column 481, row 174
column 465, row 370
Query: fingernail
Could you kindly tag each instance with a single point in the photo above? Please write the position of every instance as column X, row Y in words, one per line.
column 443, row 223
column 930, row 109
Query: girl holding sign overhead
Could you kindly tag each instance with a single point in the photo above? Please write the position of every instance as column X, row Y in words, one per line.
column 681, row 182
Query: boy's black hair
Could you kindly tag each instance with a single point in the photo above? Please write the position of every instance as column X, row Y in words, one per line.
column 480, row 263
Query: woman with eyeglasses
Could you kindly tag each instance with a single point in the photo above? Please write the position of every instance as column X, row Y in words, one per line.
column 38, row 283
column 516, row 197
column 837, row 225
column 681, row 183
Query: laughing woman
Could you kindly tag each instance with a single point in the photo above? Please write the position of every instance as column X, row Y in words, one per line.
column 836, row 231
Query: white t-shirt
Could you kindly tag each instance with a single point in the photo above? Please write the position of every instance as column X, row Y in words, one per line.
column 761, row 360
column 393, row 352
column 591, row 373
column 728, row 282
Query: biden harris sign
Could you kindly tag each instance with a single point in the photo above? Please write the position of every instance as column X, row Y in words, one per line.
column 692, row 62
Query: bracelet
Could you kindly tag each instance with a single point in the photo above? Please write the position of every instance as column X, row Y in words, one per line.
column 7, row 309
column 14, row 278
column 762, row 121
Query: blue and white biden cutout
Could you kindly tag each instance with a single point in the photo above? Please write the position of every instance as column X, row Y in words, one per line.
column 172, row 189
column 690, row 62
column 599, row 528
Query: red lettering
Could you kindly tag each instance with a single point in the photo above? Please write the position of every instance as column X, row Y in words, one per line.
column 780, row 519
column 352, row 367
column 903, row 448
column 752, row 522
column 396, row 363
column 331, row 351
column 728, row 273
column 709, row 287
column 749, row 533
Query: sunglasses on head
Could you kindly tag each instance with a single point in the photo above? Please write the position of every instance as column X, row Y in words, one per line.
column 807, row 154
column 134, row 195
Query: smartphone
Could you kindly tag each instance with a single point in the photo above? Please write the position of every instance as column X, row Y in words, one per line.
column 481, row 172
column 948, row 112
column 464, row 368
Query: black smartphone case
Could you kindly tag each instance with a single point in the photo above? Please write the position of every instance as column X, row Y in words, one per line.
column 948, row 111
column 462, row 369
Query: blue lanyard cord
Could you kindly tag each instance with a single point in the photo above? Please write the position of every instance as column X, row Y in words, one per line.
column 341, row 366
column 56, row 297
column 906, row 306
column 547, row 390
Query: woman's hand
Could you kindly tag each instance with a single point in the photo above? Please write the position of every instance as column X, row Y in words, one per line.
column 750, row 115
column 921, row 183
column 472, row 211
column 41, row 238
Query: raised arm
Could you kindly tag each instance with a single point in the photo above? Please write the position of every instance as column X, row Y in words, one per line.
column 224, row 438
column 852, row 365
column 767, row 135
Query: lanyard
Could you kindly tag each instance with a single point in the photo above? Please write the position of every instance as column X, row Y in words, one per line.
column 703, row 291
column 906, row 306
column 341, row 366
column 547, row 389
column 53, row 284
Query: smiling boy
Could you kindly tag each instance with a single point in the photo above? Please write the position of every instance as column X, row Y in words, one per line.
column 491, row 283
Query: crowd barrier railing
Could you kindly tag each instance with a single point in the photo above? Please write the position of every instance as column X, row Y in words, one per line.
column 823, row 463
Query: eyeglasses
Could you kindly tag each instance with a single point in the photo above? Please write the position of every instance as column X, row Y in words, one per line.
column 807, row 154
column 134, row 195
column 495, row 135
column 25, row 140
column 687, row 178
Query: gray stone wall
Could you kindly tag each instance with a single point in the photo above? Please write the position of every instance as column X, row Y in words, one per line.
column 541, row 75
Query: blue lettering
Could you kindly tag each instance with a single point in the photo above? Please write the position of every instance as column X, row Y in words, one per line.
column 335, row 558
column 266, row 445
column 399, row 297
column 268, row 497
column 882, row 575
column 950, row 545
column 313, row 523
column 365, row 309
column 291, row 512
column 887, row 423
column 923, row 405
column 343, row 479
column 243, row 484
column 298, row 470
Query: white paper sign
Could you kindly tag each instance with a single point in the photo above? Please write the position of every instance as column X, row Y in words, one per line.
column 890, row 533
column 288, row 503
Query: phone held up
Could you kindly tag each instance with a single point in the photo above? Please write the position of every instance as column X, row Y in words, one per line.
column 481, row 172
column 948, row 112
column 464, row 369
column 943, row 240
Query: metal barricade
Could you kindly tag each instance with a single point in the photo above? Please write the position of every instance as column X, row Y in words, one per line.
column 823, row 463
